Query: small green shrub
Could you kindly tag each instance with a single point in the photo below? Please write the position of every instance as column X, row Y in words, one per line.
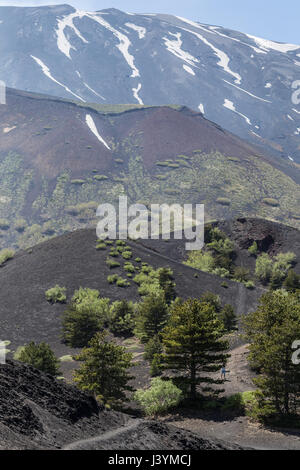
column 173, row 165
column 112, row 264
column 122, row 282
column 127, row 254
column 249, row 284
column 241, row 274
column 270, row 202
column 114, row 253
column 129, row 268
column 120, row 243
column 112, row 279
column 101, row 246
column 263, row 269
column 78, row 182
column 56, row 294
column 221, row 272
column 200, row 260
column 253, row 249
column 234, row 402
column 160, row 397
column 5, row 255
column 223, row 201
column 146, row 269
column 100, row 177
column 4, row 224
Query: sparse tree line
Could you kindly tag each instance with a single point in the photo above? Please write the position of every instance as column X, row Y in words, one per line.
column 185, row 342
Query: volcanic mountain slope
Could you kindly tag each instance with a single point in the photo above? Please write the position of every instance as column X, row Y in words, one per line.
column 37, row 412
column 59, row 160
column 72, row 261
column 271, row 238
column 242, row 82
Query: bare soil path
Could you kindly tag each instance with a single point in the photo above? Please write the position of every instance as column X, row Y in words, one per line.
column 84, row 443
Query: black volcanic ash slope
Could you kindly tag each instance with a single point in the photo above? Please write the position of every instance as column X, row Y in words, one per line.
column 271, row 238
column 72, row 260
column 38, row 412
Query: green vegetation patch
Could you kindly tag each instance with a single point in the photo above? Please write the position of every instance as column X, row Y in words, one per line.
column 56, row 294
column 224, row 201
column 271, row 202
column 6, row 255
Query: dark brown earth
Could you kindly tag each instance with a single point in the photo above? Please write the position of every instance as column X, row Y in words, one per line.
column 39, row 126
column 52, row 135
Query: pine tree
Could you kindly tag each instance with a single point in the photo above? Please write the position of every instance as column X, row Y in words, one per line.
column 104, row 370
column 79, row 326
column 122, row 318
column 41, row 357
column 225, row 314
column 228, row 318
column 165, row 278
column 194, row 346
column 272, row 329
column 152, row 317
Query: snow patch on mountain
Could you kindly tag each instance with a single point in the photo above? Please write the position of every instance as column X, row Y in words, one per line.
column 229, row 105
column 93, row 91
column 258, row 51
column 136, row 93
column 124, row 44
column 46, row 71
column 201, row 107
column 91, row 123
column 174, row 46
column 188, row 69
column 268, row 45
column 223, row 58
column 139, row 29
column 247, row 92
column 63, row 43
